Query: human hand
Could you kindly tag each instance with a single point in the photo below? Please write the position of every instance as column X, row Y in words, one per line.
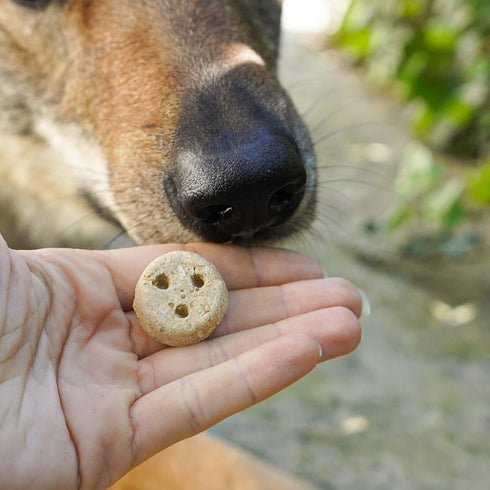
column 85, row 394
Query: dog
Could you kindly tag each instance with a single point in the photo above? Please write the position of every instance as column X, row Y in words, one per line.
column 168, row 112
column 169, row 118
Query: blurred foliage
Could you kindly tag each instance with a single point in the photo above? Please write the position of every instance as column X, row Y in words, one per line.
column 424, row 191
column 429, row 193
column 479, row 184
column 436, row 54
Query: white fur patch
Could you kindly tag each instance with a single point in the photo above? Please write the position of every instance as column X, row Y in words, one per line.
column 83, row 156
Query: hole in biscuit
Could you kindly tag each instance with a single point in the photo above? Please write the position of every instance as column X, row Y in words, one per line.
column 182, row 311
column 197, row 280
column 161, row 281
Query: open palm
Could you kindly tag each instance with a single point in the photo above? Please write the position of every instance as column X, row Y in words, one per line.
column 85, row 394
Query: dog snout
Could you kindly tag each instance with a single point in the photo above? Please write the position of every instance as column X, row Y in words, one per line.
column 248, row 183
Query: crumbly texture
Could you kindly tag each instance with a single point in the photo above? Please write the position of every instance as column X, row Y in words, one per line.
column 180, row 298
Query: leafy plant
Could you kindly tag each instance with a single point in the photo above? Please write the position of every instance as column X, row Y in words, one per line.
column 436, row 55
column 424, row 191
column 479, row 184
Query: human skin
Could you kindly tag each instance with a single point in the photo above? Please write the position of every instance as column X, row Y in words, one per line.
column 86, row 394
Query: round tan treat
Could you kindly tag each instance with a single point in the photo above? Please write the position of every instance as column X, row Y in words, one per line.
column 180, row 298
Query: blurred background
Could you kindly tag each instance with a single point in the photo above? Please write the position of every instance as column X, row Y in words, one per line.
column 397, row 96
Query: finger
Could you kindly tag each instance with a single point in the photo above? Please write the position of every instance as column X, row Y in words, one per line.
column 240, row 267
column 337, row 331
column 259, row 306
column 196, row 402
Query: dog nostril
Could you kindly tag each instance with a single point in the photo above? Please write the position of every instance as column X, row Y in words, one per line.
column 284, row 202
column 212, row 214
column 219, row 214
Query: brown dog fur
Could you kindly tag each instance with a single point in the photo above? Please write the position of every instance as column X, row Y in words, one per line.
column 104, row 84
column 207, row 463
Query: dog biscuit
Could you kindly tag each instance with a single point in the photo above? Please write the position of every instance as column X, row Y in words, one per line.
column 180, row 298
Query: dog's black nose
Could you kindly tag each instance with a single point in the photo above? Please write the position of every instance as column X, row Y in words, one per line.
column 242, row 184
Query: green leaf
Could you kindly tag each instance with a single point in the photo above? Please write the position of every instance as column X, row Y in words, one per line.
column 454, row 215
column 357, row 43
column 459, row 112
column 410, row 9
column 423, row 120
column 440, row 36
column 444, row 205
column 479, row 184
column 398, row 217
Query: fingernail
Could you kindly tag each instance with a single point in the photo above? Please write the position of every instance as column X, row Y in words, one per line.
column 325, row 274
column 366, row 304
column 320, row 349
